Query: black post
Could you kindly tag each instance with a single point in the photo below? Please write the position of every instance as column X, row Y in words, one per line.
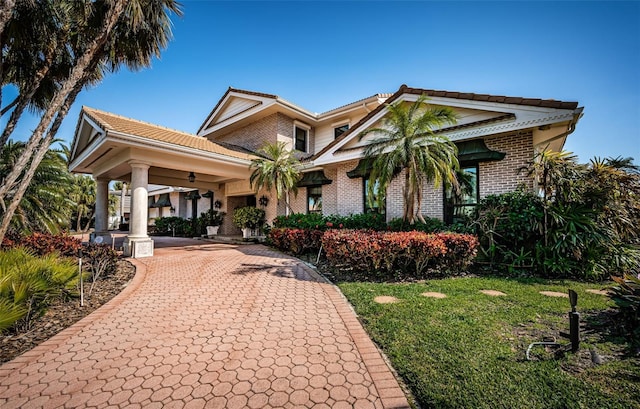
column 574, row 322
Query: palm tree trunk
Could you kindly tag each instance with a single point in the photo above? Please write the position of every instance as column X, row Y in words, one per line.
column 419, row 203
column 6, row 10
column 88, row 225
column 77, row 79
column 287, row 206
column 78, row 224
column 38, row 155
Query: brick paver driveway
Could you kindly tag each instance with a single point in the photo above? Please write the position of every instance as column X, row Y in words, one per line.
column 210, row 325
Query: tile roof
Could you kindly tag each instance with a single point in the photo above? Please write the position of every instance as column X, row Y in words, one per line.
column 544, row 103
column 121, row 124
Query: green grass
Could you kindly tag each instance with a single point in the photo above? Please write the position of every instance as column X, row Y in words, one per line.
column 468, row 350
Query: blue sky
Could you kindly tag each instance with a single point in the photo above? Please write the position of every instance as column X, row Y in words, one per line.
column 321, row 55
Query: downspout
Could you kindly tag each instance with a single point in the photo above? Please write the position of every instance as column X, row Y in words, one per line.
column 569, row 131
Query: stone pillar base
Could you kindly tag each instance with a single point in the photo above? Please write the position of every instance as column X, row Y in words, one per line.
column 103, row 237
column 138, row 247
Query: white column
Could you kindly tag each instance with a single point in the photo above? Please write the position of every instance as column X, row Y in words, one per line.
column 102, row 210
column 138, row 244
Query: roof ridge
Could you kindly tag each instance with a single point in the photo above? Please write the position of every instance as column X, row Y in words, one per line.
column 377, row 95
column 140, row 122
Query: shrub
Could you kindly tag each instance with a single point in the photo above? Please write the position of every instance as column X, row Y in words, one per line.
column 461, row 251
column 509, row 226
column 626, row 295
column 99, row 259
column 248, row 217
column 45, row 243
column 384, row 254
column 173, row 225
column 431, row 225
column 368, row 221
column 296, row 241
column 28, row 282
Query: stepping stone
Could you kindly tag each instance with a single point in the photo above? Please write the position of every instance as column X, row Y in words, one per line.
column 434, row 295
column 385, row 299
column 554, row 294
column 599, row 292
column 493, row 293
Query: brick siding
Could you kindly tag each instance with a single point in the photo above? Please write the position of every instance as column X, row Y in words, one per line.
column 255, row 135
column 502, row 176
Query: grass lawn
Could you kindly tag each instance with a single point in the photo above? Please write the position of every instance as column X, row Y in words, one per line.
column 468, row 350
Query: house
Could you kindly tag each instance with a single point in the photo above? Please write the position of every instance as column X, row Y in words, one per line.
column 496, row 135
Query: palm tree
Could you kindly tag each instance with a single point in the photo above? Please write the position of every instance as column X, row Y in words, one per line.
column 46, row 205
column 278, row 169
column 408, row 142
column 84, row 199
column 116, row 33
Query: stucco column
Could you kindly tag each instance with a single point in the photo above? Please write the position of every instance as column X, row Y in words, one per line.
column 138, row 244
column 102, row 210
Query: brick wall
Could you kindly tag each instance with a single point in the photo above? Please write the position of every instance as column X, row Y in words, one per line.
column 330, row 192
column 299, row 203
column 254, row 135
column 349, row 198
column 502, row 176
column 432, row 205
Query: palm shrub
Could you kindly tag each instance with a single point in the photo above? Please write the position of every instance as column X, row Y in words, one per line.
column 626, row 295
column 28, row 283
column 509, row 226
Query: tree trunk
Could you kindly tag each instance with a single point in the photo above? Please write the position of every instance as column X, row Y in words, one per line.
column 6, row 10
column 39, row 154
column 23, row 99
column 123, row 195
column 77, row 79
column 88, row 225
column 78, row 223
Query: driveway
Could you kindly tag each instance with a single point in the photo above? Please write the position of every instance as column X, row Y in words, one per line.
column 209, row 325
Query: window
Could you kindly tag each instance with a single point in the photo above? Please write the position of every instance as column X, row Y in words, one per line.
column 371, row 203
column 301, row 138
column 337, row 131
column 462, row 204
column 314, row 199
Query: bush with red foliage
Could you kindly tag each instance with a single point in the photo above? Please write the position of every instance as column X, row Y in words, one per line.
column 383, row 254
column 45, row 243
column 296, row 241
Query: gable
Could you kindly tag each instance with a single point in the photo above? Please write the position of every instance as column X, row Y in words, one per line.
column 466, row 118
column 234, row 106
column 86, row 132
column 477, row 117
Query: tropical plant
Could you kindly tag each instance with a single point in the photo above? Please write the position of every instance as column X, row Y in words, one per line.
column 46, row 205
column 28, row 283
column 248, row 217
column 408, row 142
column 276, row 168
column 99, row 36
column 626, row 295
column 83, row 196
column 212, row 217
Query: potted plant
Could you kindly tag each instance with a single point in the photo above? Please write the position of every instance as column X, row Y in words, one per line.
column 249, row 219
column 212, row 219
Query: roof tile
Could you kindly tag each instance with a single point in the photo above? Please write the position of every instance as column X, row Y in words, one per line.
column 121, row 124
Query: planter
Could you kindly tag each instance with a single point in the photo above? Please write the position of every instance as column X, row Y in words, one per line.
column 212, row 230
column 248, row 233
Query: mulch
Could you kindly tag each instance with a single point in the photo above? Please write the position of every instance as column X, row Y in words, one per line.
column 61, row 315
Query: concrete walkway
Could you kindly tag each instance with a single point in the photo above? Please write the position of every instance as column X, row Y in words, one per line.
column 209, row 325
